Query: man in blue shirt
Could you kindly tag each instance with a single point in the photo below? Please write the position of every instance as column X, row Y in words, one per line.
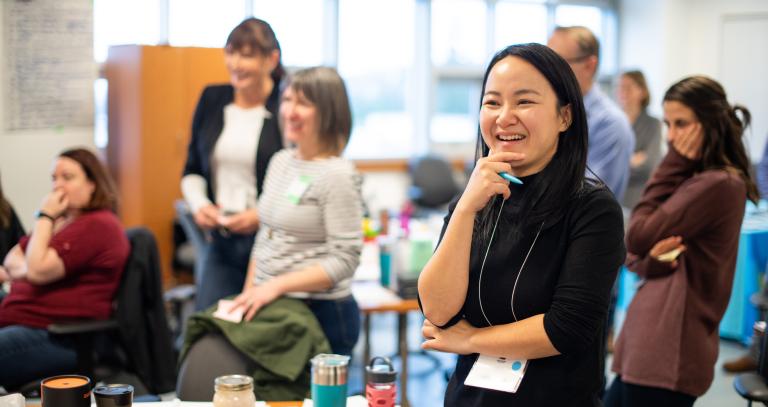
column 611, row 141
column 762, row 173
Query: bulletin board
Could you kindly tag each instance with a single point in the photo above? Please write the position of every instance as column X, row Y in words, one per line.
column 49, row 69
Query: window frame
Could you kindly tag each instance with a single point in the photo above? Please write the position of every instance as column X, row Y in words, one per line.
column 421, row 98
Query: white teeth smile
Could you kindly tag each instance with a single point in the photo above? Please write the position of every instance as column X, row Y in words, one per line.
column 514, row 137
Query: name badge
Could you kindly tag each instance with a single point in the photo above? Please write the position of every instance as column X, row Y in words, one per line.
column 497, row 373
column 297, row 188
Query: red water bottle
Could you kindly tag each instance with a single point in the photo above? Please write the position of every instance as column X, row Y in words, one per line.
column 380, row 388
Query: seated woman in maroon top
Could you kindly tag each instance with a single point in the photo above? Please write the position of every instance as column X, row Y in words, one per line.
column 69, row 267
column 682, row 240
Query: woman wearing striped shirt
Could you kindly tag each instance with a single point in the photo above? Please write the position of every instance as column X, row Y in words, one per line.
column 309, row 242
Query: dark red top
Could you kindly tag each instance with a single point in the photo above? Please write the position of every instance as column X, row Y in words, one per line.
column 670, row 335
column 94, row 250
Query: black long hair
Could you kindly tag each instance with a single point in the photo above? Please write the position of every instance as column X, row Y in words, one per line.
column 547, row 196
column 723, row 129
column 5, row 211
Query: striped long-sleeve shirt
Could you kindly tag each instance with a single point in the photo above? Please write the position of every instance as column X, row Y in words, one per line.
column 311, row 214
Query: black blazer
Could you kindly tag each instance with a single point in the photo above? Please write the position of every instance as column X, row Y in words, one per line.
column 206, row 129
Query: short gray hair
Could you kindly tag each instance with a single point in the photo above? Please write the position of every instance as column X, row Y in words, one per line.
column 324, row 88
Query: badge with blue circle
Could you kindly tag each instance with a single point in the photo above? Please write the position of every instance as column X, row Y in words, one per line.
column 497, row 373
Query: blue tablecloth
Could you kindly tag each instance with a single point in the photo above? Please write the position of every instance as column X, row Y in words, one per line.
column 750, row 266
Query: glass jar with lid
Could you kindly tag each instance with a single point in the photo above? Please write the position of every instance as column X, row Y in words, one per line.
column 234, row 391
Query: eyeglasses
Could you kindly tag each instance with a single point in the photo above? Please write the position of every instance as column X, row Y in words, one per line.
column 578, row 59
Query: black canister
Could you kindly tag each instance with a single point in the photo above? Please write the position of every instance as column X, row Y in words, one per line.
column 66, row 391
column 113, row 395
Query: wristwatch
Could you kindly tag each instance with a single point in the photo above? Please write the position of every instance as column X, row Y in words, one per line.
column 41, row 214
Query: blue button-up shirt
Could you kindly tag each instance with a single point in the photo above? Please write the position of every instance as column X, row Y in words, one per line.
column 762, row 175
column 611, row 141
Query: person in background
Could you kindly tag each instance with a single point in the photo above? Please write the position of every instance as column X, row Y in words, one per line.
column 11, row 229
column 633, row 96
column 234, row 135
column 68, row 268
column 750, row 360
column 611, row 141
column 682, row 240
column 762, row 172
column 524, row 272
column 310, row 238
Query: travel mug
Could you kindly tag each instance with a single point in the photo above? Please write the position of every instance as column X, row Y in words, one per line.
column 65, row 391
column 113, row 395
column 329, row 380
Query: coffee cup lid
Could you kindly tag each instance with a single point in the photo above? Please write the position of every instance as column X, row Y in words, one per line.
column 122, row 394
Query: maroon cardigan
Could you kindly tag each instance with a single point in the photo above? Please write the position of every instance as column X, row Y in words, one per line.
column 670, row 336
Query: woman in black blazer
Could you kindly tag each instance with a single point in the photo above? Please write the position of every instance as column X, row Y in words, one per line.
column 234, row 135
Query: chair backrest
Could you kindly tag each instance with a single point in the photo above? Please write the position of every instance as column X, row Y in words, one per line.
column 141, row 316
column 432, row 180
column 186, row 219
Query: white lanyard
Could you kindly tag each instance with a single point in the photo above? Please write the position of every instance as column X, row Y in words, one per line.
column 482, row 267
column 493, row 372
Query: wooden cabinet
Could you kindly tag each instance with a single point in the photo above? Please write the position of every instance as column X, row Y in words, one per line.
column 153, row 91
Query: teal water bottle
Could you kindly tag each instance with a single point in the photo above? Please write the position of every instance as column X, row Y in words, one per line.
column 329, row 380
column 385, row 261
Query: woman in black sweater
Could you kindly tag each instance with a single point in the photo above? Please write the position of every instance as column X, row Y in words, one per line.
column 526, row 276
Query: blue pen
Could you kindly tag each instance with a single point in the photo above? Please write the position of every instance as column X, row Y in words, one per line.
column 510, row 178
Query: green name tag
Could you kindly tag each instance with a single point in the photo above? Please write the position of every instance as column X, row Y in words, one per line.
column 297, row 188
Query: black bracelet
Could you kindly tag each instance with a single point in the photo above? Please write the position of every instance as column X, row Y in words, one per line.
column 41, row 214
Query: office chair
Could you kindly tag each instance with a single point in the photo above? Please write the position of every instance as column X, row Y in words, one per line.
column 198, row 369
column 753, row 386
column 182, row 297
column 195, row 236
column 433, row 185
column 135, row 329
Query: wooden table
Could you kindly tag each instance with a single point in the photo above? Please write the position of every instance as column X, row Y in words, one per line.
column 402, row 308
column 271, row 404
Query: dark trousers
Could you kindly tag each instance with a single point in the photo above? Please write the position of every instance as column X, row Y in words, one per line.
column 622, row 394
column 225, row 265
column 340, row 320
column 28, row 354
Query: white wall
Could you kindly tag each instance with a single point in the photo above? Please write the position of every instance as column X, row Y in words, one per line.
column 26, row 156
column 671, row 39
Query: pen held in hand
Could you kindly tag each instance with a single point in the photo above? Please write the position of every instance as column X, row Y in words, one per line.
column 510, row 178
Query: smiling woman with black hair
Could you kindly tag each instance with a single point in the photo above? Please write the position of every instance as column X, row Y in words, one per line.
column 523, row 280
